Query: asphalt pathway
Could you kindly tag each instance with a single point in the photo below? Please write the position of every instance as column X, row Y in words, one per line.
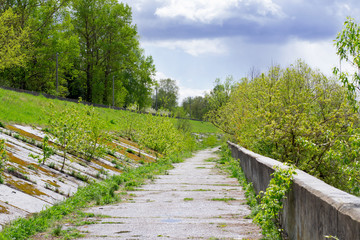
column 194, row 201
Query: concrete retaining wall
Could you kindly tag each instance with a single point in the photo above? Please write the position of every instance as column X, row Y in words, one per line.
column 313, row 208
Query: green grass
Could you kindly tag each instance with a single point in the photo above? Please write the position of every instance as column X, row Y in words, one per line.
column 24, row 108
column 188, row 199
column 223, row 199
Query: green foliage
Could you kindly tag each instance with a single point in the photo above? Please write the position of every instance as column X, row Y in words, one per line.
column 183, row 125
column 220, row 94
column 86, row 44
column 161, row 135
column 77, row 128
column 299, row 116
column 47, row 151
column 210, row 141
column 348, row 49
column 93, row 133
column 331, row 237
column 196, row 107
column 130, row 151
column 272, row 202
column 13, row 40
column 67, row 126
column 3, row 158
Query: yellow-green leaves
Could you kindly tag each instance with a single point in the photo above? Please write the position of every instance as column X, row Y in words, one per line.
column 78, row 129
column 160, row 134
column 299, row 116
column 13, row 39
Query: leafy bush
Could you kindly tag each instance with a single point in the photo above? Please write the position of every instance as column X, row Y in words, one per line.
column 161, row 135
column 210, row 141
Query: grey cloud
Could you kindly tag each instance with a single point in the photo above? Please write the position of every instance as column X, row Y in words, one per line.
column 309, row 20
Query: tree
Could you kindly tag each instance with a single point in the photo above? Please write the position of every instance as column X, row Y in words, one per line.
column 348, row 48
column 299, row 116
column 67, row 127
column 196, row 107
column 166, row 96
column 50, row 34
column 110, row 49
column 93, row 133
column 78, row 130
column 13, row 41
column 220, row 94
column 76, row 48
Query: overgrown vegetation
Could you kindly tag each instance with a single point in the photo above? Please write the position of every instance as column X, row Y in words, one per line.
column 77, row 128
column 265, row 207
column 297, row 115
column 80, row 130
column 347, row 45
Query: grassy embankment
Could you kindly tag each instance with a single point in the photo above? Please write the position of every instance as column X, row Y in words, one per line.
column 24, row 108
column 30, row 110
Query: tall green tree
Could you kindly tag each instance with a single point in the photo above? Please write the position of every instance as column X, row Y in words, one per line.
column 220, row 94
column 166, row 94
column 110, row 50
column 138, row 79
column 196, row 107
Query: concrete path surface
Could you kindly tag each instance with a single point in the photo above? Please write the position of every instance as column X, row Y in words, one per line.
column 194, row 201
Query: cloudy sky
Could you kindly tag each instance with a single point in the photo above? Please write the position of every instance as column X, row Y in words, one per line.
column 197, row 41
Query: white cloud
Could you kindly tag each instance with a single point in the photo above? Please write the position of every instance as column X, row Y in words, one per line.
column 210, row 11
column 160, row 75
column 319, row 54
column 194, row 47
column 185, row 92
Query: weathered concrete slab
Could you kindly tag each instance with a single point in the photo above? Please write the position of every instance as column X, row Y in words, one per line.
column 21, row 200
column 194, row 201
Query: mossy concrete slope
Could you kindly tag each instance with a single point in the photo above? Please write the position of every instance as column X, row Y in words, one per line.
column 30, row 187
